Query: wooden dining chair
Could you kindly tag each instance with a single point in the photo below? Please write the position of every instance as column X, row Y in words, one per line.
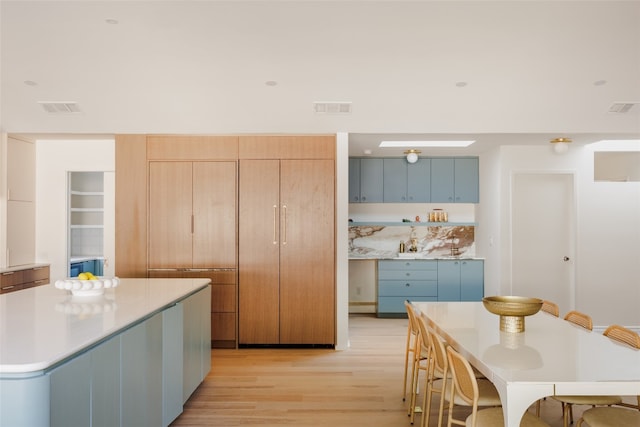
column 580, row 319
column 412, row 343
column 623, row 335
column 551, row 308
column 609, row 416
column 467, row 390
column 583, row 320
column 419, row 362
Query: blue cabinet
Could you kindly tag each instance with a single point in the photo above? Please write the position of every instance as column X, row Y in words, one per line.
column 427, row 280
column 406, row 182
column 455, row 180
column 365, row 180
column 393, row 180
column 399, row 280
column 460, row 280
column 94, row 266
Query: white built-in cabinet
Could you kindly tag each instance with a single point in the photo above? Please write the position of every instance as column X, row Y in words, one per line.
column 19, row 246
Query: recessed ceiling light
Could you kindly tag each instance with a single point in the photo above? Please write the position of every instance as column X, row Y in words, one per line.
column 111, row 21
column 271, row 83
column 461, row 84
column 616, row 145
column 30, row 83
column 425, row 144
column 600, row 83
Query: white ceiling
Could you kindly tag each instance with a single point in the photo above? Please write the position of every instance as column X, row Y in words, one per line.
column 501, row 72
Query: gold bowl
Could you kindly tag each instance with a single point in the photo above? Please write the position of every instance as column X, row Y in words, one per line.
column 512, row 310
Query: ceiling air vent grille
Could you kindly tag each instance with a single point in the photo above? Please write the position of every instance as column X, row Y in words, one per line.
column 621, row 107
column 60, row 107
column 332, row 107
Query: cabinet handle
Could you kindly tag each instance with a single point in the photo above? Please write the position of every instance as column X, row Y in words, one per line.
column 8, row 287
column 275, row 224
column 284, row 223
column 8, row 273
column 192, row 226
column 407, row 284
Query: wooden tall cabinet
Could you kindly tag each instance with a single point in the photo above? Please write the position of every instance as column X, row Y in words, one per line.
column 286, row 250
column 192, row 209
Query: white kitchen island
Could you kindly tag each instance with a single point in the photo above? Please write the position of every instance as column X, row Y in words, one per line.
column 132, row 356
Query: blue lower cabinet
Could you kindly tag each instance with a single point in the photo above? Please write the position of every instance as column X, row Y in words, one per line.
column 400, row 280
column 460, row 280
column 427, row 280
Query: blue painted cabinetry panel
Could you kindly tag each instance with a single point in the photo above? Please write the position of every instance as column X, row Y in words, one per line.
column 365, row 180
column 399, row 280
column 455, row 180
column 427, row 280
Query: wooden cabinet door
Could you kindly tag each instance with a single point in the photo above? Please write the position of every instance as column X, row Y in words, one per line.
column 307, row 255
column 214, row 215
column 170, row 210
column 258, row 246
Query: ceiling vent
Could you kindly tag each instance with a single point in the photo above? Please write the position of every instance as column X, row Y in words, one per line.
column 621, row 107
column 332, row 107
column 60, row 107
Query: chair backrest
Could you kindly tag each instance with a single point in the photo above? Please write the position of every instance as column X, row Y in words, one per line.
column 551, row 308
column 622, row 334
column 579, row 319
column 438, row 354
column 411, row 314
column 465, row 384
column 423, row 334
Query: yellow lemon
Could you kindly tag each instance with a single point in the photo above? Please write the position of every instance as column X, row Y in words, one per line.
column 83, row 276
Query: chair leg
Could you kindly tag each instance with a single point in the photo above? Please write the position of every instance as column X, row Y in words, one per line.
column 406, row 363
column 566, row 408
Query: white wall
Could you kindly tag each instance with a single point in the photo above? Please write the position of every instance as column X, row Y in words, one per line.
column 607, row 258
column 53, row 160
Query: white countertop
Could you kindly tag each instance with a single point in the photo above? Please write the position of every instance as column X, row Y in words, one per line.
column 42, row 326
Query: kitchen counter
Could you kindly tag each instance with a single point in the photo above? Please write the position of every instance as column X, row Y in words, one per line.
column 132, row 356
column 43, row 326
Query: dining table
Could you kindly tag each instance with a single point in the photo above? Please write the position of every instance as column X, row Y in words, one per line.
column 550, row 357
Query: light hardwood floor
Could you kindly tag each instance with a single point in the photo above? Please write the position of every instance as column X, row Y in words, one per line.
column 361, row 386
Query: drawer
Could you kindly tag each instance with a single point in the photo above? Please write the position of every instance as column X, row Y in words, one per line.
column 396, row 288
column 11, row 278
column 36, row 274
column 408, row 265
column 223, row 298
column 407, row 275
column 35, row 283
column 10, row 288
column 396, row 304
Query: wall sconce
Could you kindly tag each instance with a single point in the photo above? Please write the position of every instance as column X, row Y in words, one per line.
column 412, row 155
column 560, row 145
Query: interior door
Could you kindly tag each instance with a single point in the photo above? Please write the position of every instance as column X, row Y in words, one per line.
column 259, row 255
column 307, row 255
column 543, row 237
column 170, row 210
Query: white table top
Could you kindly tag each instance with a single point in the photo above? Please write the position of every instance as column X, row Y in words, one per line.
column 552, row 356
column 42, row 326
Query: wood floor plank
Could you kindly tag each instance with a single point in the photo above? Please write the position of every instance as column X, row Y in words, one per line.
column 360, row 386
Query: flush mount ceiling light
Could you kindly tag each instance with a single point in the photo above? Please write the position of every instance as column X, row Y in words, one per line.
column 560, row 145
column 425, row 144
column 412, row 155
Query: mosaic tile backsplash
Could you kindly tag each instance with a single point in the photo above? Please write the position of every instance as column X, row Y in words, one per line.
column 378, row 241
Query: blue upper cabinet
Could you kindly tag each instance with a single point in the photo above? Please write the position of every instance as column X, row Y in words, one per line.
column 354, row 180
column 442, row 186
column 365, row 180
column 454, row 180
column 419, row 181
column 465, row 180
column 395, row 180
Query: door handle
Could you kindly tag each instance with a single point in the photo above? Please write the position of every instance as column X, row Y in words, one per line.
column 566, row 258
